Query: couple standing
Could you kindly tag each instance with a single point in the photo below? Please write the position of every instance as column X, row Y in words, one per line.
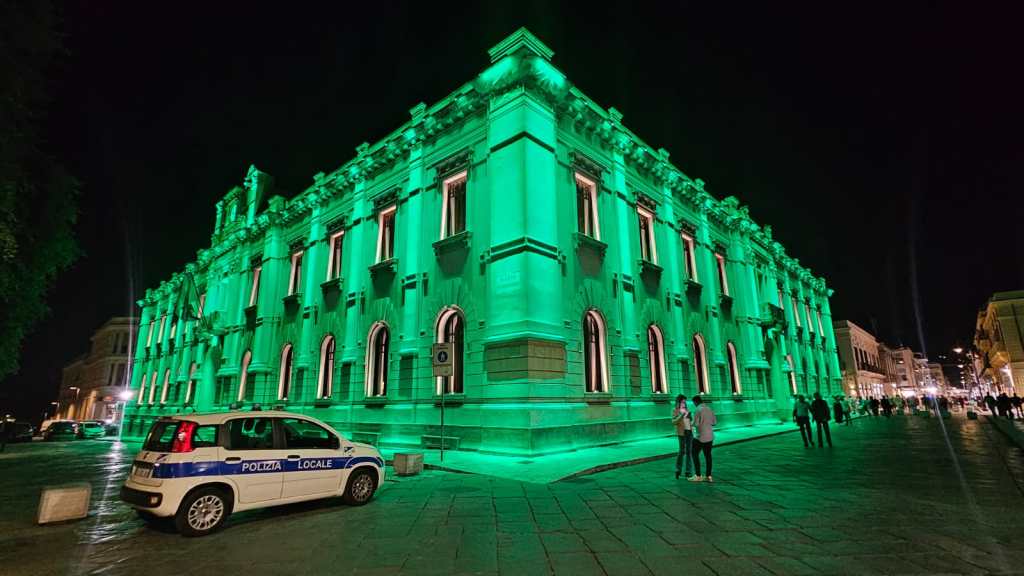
column 696, row 433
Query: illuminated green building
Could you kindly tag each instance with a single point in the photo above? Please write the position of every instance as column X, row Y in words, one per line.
column 584, row 280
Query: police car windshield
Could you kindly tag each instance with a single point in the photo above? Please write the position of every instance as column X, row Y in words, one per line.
column 161, row 436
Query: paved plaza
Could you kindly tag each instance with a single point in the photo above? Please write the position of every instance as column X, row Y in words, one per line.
column 907, row 495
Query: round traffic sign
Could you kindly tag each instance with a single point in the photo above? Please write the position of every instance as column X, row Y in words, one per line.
column 442, row 356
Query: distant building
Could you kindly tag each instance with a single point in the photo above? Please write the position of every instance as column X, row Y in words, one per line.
column 862, row 361
column 91, row 385
column 999, row 338
column 937, row 377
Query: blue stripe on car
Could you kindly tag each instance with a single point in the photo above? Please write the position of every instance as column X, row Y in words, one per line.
column 166, row 470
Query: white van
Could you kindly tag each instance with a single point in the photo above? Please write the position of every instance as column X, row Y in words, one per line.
column 199, row 468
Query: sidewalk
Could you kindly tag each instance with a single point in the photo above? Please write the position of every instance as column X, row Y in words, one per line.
column 554, row 467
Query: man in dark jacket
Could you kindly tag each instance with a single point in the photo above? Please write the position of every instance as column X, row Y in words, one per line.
column 990, row 403
column 820, row 413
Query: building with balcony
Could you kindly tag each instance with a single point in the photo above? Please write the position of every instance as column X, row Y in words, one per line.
column 862, row 361
column 582, row 279
column 999, row 340
column 92, row 384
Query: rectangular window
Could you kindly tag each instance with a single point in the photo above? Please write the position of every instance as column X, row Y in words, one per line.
column 689, row 257
column 149, row 335
column 453, row 213
column 254, row 291
column 334, row 258
column 586, row 207
column 648, row 251
column 723, row 281
column 810, row 320
column 295, row 278
column 386, row 234
column 160, row 332
column 119, row 377
column 202, row 303
column 304, row 434
column 821, row 328
column 174, row 328
column 251, row 434
column 782, row 299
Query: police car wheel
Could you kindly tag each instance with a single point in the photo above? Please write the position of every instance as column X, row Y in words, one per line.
column 202, row 512
column 361, row 486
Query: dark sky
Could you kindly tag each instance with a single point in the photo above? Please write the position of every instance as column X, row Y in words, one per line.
column 883, row 144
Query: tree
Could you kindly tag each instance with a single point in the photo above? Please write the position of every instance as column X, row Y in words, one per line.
column 38, row 197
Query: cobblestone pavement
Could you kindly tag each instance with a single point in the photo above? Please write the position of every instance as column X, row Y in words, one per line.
column 890, row 498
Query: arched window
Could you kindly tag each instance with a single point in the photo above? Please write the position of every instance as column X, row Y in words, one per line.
column 377, row 352
column 734, row 368
column 594, row 356
column 450, row 328
column 326, row 376
column 700, row 364
column 152, row 388
column 656, row 359
column 792, row 373
column 246, row 359
column 190, row 389
column 284, row 378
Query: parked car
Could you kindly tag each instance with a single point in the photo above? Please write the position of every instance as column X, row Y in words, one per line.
column 20, row 432
column 90, row 429
column 61, row 430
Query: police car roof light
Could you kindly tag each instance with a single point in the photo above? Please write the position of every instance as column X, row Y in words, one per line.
column 183, row 437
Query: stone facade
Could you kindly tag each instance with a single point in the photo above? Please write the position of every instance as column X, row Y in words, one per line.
column 862, row 360
column 999, row 339
column 583, row 279
column 92, row 384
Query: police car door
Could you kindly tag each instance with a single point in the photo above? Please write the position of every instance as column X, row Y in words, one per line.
column 315, row 460
column 251, row 459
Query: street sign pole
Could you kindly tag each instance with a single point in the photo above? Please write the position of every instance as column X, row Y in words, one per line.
column 441, row 357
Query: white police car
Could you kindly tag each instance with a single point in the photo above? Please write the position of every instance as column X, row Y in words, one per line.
column 199, row 468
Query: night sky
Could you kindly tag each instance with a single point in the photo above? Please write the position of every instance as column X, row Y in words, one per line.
column 882, row 144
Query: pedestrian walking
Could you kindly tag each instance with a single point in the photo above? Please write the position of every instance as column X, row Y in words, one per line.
column 802, row 417
column 704, row 421
column 683, row 421
column 837, row 410
column 1016, row 403
column 819, row 410
column 847, row 411
column 874, row 406
column 886, row 406
column 1003, row 405
column 990, row 403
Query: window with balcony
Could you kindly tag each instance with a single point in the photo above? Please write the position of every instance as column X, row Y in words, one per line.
column 453, row 209
column 334, row 256
column 386, row 234
column 689, row 257
column 295, row 276
column 586, row 207
column 648, row 249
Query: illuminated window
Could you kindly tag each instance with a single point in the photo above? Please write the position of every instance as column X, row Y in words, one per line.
column 284, row 378
column 723, row 280
column 810, row 319
column 254, row 291
column 167, row 383
column 377, row 350
column 734, row 368
column 586, row 207
column 648, row 250
column 202, row 303
column 334, row 257
column 386, row 234
column 700, row 364
column 149, row 335
column 450, row 329
column 656, row 359
column 160, row 332
column 821, row 327
column 792, row 373
column 594, row 354
column 796, row 312
column 453, row 212
column 295, row 278
column 782, row 299
column 244, row 377
column 152, row 388
column 190, row 389
column 174, row 328
column 689, row 257
column 326, row 376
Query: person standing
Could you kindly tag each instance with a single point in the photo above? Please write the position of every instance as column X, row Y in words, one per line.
column 802, row 417
column 847, row 411
column 990, row 403
column 874, row 406
column 704, row 421
column 1016, row 402
column 683, row 421
column 837, row 409
column 1003, row 404
column 820, row 412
